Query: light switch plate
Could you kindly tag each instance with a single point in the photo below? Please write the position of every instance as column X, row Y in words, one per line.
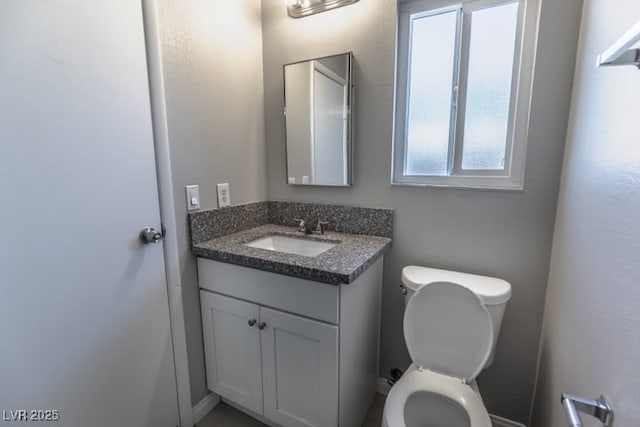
column 224, row 195
column 193, row 197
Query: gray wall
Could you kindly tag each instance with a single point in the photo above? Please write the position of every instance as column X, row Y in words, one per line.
column 506, row 234
column 212, row 56
column 590, row 335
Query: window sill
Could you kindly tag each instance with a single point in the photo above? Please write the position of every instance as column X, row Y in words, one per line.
column 463, row 183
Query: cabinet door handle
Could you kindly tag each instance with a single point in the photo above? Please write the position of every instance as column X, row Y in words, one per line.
column 262, row 325
column 252, row 322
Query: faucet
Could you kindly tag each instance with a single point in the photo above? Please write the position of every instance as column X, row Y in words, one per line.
column 320, row 227
column 304, row 227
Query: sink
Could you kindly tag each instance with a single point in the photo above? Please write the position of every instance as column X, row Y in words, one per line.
column 291, row 245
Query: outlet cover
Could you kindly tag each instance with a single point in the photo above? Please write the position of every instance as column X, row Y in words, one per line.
column 224, row 195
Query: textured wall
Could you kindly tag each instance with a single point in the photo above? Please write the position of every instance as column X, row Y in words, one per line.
column 506, row 234
column 212, row 56
column 590, row 335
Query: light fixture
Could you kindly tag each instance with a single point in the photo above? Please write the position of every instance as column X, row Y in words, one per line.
column 301, row 8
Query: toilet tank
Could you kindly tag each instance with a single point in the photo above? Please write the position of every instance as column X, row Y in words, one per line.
column 494, row 292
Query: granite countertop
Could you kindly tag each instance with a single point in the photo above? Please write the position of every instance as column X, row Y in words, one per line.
column 343, row 263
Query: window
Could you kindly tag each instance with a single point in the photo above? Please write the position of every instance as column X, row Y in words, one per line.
column 462, row 94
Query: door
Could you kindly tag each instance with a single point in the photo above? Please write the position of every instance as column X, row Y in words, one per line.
column 329, row 127
column 300, row 370
column 84, row 319
column 232, row 349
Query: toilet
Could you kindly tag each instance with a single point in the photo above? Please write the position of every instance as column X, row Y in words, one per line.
column 451, row 324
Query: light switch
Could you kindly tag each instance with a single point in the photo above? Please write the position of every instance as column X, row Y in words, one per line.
column 193, row 197
column 224, row 195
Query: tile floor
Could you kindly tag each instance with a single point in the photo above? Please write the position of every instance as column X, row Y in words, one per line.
column 224, row 415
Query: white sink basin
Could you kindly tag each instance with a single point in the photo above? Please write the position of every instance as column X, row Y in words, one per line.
column 291, row 245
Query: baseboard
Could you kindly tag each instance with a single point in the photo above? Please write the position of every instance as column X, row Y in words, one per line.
column 202, row 408
column 382, row 386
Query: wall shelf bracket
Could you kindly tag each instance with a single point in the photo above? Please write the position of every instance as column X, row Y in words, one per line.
column 625, row 51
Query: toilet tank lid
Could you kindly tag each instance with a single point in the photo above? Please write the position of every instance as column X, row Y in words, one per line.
column 491, row 290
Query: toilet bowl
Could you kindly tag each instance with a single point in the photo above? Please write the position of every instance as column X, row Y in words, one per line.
column 428, row 399
column 449, row 330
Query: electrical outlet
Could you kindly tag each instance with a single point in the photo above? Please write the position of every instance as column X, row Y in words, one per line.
column 224, row 195
column 193, row 197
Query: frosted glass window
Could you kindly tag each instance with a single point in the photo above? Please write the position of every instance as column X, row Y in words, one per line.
column 433, row 39
column 458, row 119
column 486, row 120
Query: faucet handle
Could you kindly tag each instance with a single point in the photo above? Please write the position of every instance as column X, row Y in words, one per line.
column 321, row 225
column 303, row 227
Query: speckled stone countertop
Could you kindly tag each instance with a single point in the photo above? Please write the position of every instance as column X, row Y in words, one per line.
column 343, row 263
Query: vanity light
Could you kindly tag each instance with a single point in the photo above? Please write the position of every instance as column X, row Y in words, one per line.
column 301, row 8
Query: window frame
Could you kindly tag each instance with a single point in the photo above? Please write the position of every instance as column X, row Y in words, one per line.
column 512, row 176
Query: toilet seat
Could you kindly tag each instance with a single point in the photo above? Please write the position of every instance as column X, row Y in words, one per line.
column 415, row 381
column 448, row 329
column 449, row 335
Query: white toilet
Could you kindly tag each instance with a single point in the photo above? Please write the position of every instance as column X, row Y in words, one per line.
column 451, row 325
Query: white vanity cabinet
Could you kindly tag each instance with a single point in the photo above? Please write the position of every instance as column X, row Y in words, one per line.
column 299, row 370
column 274, row 363
column 232, row 349
column 292, row 351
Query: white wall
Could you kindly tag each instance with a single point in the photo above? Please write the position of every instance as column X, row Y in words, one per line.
column 212, row 56
column 506, row 234
column 590, row 340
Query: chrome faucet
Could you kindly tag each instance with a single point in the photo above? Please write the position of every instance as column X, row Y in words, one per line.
column 320, row 227
column 304, row 227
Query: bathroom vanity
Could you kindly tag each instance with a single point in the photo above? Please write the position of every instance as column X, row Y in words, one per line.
column 292, row 339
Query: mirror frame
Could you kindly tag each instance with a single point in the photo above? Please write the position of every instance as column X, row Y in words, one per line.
column 349, row 112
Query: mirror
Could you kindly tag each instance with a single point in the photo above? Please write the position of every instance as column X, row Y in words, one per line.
column 317, row 106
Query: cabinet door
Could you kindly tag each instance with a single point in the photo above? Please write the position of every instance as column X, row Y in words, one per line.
column 300, row 370
column 232, row 349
